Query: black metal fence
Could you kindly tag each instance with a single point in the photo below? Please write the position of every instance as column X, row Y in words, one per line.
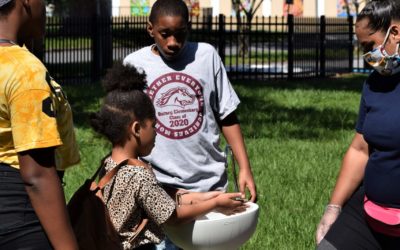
column 80, row 50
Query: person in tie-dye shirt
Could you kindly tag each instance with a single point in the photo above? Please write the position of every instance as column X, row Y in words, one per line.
column 36, row 137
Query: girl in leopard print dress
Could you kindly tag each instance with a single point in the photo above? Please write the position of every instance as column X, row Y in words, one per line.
column 127, row 119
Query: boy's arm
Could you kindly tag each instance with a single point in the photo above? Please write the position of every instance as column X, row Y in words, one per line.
column 231, row 130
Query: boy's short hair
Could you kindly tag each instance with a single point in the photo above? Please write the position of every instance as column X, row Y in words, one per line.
column 169, row 8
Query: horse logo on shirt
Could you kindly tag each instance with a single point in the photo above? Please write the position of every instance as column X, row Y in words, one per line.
column 179, row 104
column 178, row 96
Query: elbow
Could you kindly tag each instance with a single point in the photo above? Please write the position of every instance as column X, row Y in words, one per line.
column 31, row 178
column 34, row 176
column 37, row 166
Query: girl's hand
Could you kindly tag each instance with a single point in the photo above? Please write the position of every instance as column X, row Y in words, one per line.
column 228, row 205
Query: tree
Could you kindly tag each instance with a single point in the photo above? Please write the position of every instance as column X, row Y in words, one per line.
column 61, row 7
column 244, row 29
column 353, row 3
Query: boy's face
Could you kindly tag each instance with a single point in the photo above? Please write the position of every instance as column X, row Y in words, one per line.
column 170, row 34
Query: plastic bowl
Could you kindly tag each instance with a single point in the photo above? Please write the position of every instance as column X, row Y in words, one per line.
column 216, row 231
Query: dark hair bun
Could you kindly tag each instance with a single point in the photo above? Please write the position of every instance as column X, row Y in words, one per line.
column 124, row 78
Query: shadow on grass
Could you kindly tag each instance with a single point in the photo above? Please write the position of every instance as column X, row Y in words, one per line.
column 260, row 119
column 84, row 99
column 352, row 82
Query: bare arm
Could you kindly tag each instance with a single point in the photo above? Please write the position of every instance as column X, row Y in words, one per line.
column 352, row 170
column 350, row 177
column 223, row 203
column 46, row 194
column 231, row 129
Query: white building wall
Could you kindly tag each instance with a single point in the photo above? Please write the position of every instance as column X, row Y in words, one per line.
column 116, row 4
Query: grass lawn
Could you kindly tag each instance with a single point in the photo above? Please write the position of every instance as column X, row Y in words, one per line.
column 296, row 134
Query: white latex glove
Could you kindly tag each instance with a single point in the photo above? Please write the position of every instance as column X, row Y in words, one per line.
column 329, row 217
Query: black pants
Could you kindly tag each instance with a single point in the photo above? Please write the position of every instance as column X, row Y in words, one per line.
column 20, row 228
column 351, row 231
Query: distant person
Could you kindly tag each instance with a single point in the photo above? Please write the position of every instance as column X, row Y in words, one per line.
column 370, row 174
column 36, row 137
column 127, row 119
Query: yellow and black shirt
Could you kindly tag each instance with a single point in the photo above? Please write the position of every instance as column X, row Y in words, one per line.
column 34, row 111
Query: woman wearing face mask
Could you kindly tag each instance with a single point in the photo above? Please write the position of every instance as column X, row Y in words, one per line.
column 364, row 209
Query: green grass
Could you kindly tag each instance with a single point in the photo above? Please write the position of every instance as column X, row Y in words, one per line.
column 296, row 134
column 54, row 43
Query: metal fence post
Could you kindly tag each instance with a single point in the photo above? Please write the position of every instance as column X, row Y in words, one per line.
column 351, row 46
column 322, row 44
column 221, row 37
column 290, row 46
column 96, row 52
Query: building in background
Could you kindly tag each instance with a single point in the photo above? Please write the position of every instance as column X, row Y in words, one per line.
column 306, row 8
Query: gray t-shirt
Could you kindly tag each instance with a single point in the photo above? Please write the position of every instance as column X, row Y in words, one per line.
column 189, row 94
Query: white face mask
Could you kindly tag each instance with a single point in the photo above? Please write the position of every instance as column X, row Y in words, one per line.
column 381, row 61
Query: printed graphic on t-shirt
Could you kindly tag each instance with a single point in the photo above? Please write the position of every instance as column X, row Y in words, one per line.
column 178, row 100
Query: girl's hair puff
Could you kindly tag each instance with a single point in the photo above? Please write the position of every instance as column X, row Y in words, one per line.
column 124, row 103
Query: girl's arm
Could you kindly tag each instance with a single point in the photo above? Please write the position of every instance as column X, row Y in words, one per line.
column 231, row 129
column 47, row 197
column 224, row 203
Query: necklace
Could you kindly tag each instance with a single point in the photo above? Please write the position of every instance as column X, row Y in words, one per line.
column 7, row 41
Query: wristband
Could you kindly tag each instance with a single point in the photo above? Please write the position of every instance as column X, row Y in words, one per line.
column 178, row 198
column 335, row 207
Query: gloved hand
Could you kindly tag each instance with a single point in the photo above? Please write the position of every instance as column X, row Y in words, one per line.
column 331, row 213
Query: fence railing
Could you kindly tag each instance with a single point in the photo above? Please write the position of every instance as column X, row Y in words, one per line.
column 80, row 50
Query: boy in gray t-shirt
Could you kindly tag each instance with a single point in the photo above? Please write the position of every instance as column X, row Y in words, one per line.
column 194, row 102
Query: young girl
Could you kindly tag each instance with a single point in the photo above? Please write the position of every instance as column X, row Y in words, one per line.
column 127, row 120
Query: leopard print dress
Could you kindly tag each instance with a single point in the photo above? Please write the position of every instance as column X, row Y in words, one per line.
column 132, row 194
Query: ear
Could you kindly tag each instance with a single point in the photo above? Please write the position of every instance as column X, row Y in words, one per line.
column 395, row 32
column 135, row 128
column 150, row 28
column 26, row 4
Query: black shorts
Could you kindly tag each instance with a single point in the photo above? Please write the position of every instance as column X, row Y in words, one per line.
column 351, row 231
column 19, row 226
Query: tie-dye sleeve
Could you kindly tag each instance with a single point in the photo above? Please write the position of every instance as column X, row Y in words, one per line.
column 33, row 115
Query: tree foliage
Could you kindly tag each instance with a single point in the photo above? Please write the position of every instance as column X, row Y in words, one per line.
column 81, row 8
column 249, row 11
column 355, row 3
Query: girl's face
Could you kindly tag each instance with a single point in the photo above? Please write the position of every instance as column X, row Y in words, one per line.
column 147, row 136
column 369, row 39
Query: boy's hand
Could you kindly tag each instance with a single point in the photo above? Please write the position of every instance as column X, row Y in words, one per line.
column 227, row 204
column 246, row 180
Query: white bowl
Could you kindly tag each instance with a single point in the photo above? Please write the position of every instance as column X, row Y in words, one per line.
column 216, row 231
